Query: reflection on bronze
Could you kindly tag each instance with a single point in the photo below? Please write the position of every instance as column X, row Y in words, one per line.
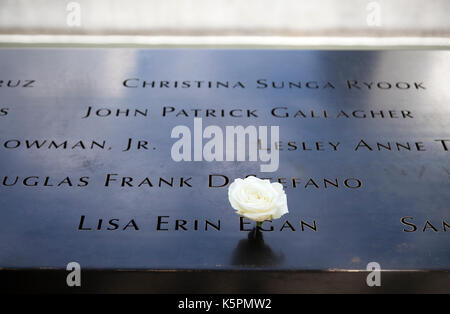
column 254, row 252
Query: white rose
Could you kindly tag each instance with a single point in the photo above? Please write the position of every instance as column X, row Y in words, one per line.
column 258, row 199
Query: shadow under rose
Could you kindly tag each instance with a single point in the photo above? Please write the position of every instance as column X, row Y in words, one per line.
column 254, row 252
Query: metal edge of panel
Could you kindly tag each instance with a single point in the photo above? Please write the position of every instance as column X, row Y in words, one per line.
column 38, row 281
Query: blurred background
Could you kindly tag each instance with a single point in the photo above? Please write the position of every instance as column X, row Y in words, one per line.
column 346, row 24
